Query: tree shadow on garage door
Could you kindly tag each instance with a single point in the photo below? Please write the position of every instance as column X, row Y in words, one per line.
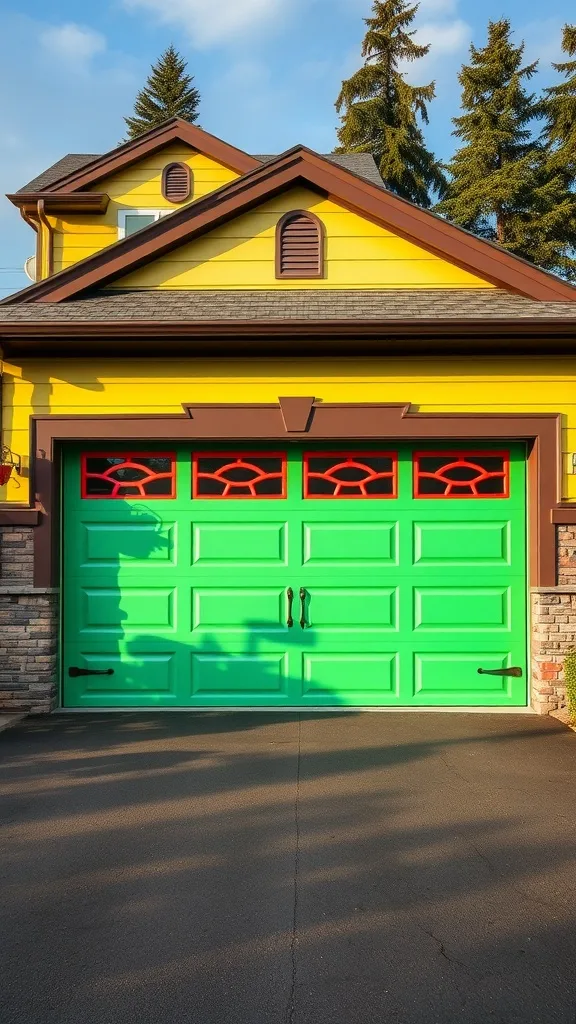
column 128, row 572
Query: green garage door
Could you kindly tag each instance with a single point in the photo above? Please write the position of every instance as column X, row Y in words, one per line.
column 303, row 577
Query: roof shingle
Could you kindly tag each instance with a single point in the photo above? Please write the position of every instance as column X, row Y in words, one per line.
column 311, row 304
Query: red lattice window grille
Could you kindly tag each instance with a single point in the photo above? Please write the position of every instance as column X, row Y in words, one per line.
column 128, row 475
column 350, row 474
column 461, row 474
column 239, row 475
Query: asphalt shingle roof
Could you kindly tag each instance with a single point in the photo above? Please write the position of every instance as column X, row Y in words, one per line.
column 359, row 163
column 313, row 305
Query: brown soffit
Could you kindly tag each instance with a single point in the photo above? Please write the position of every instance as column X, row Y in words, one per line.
column 76, row 202
column 174, row 130
column 327, row 423
column 301, row 166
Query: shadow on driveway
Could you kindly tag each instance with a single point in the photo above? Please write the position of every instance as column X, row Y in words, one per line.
column 288, row 869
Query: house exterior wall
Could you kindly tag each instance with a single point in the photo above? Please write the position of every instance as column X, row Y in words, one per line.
column 359, row 254
column 77, row 236
column 29, row 618
column 115, row 387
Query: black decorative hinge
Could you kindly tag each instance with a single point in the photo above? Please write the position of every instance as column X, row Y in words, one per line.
column 516, row 672
column 75, row 672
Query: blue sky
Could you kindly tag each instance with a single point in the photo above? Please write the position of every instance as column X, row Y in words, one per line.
column 268, row 70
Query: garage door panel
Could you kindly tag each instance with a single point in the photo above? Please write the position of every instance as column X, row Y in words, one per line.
column 351, row 608
column 452, row 677
column 122, row 610
column 454, row 544
column 233, row 676
column 239, row 544
column 131, row 543
column 354, row 544
column 456, row 609
column 239, row 609
column 140, row 676
column 341, row 678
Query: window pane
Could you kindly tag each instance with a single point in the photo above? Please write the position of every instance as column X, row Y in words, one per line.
column 135, row 221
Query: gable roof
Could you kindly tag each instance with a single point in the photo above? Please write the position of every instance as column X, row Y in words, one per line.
column 296, row 167
column 78, row 170
column 362, row 164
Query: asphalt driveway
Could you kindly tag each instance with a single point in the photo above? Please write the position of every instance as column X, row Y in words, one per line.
column 262, row 869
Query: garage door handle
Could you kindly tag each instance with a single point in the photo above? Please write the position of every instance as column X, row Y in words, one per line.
column 290, row 596
column 303, row 622
column 516, row 672
column 75, row 672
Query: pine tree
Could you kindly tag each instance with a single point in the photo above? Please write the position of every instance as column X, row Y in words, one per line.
column 494, row 175
column 560, row 111
column 556, row 236
column 168, row 93
column 380, row 111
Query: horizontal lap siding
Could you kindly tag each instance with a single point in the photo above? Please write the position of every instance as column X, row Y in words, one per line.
column 78, row 236
column 441, row 385
column 241, row 254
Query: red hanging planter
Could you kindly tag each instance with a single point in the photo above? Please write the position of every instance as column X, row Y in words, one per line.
column 5, row 474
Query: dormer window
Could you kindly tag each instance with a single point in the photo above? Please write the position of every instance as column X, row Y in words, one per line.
column 176, row 183
column 130, row 221
column 300, row 246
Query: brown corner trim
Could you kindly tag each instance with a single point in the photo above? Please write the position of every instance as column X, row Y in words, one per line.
column 327, row 422
column 19, row 516
column 564, row 515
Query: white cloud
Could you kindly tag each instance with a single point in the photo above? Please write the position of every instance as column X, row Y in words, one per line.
column 73, row 43
column 211, row 21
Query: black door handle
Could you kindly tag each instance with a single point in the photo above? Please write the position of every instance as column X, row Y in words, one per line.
column 516, row 672
column 75, row 672
column 303, row 622
column 290, row 596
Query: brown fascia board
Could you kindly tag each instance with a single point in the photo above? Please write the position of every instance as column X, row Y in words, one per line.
column 76, row 202
column 172, row 131
column 302, row 166
column 489, row 330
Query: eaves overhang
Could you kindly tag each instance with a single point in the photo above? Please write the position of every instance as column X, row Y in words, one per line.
column 152, row 338
column 72, row 202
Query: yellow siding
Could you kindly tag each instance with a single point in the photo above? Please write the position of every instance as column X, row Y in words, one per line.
column 138, row 187
column 537, row 384
column 359, row 254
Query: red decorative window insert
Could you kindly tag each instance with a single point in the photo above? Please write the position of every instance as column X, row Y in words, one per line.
column 128, row 475
column 461, row 474
column 350, row 474
column 239, row 475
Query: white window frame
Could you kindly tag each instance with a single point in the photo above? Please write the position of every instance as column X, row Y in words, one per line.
column 122, row 214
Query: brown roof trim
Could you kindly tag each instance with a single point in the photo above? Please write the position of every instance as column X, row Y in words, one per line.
column 174, row 130
column 296, row 166
column 76, row 202
column 521, row 328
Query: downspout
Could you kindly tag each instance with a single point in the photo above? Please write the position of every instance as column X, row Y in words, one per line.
column 49, row 254
column 35, row 227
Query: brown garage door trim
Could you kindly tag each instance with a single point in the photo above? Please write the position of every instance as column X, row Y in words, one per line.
column 327, row 421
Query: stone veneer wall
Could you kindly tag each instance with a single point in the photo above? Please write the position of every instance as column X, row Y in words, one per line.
column 554, row 628
column 28, row 628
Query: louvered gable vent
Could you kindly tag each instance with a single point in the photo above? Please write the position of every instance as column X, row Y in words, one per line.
column 300, row 246
column 176, row 183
